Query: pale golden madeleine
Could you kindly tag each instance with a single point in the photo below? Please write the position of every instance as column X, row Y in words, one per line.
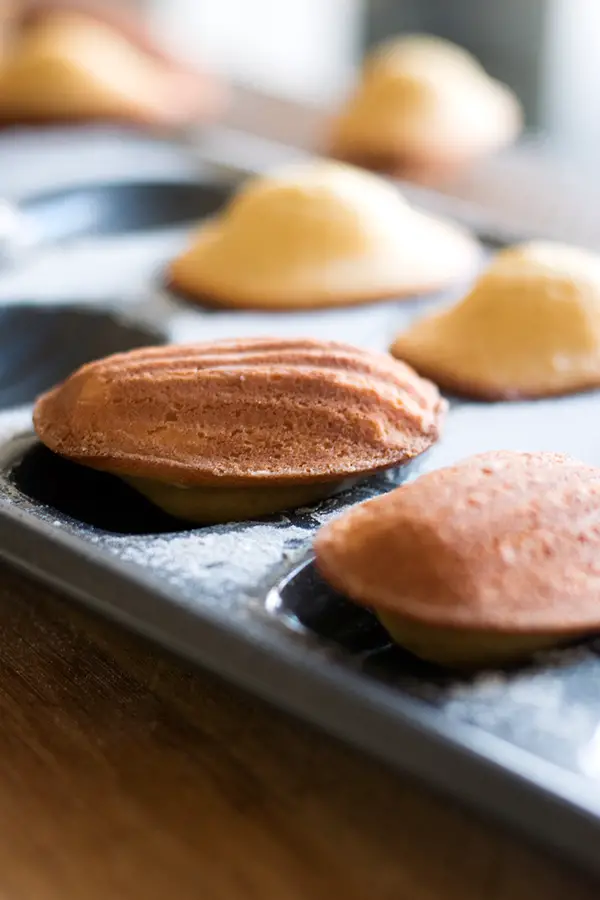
column 479, row 563
column 530, row 327
column 424, row 106
column 316, row 235
column 71, row 67
column 230, row 429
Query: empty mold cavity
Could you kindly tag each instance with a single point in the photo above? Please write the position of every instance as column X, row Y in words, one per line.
column 41, row 345
column 119, row 208
column 85, row 495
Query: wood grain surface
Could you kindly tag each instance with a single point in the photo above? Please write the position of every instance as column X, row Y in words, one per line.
column 125, row 774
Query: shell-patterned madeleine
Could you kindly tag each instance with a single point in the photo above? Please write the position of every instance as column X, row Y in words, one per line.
column 229, row 430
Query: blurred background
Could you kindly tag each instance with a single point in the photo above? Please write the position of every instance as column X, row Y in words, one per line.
column 307, row 51
column 548, row 51
column 304, row 54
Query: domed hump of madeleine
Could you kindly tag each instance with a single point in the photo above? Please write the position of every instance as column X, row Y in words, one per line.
column 502, row 542
column 420, row 53
column 426, row 108
column 420, row 97
column 242, row 411
column 573, row 270
column 71, row 66
column 313, row 214
column 316, row 235
column 529, row 327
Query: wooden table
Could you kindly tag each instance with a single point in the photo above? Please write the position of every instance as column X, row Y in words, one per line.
column 124, row 774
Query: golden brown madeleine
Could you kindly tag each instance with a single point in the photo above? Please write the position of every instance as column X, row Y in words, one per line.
column 320, row 234
column 230, row 429
column 424, row 108
column 192, row 95
column 530, row 327
column 478, row 563
column 66, row 66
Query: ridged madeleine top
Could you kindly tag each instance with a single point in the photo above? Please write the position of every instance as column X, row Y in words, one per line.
column 501, row 542
column 235, row 411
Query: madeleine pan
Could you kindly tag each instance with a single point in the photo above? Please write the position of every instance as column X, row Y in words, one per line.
column 244, row 599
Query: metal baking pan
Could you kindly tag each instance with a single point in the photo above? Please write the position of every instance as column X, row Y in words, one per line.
column 244, row 600
column 103, row 209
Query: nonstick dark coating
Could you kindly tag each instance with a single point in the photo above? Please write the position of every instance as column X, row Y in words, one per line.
column 42, row 345
column 120, row 208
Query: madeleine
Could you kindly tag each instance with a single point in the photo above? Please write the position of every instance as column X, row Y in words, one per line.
column 530, row 327
column 319, row 235
column 424, row 109
column 235, row 429
column 481, row 563
column 69, row 67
